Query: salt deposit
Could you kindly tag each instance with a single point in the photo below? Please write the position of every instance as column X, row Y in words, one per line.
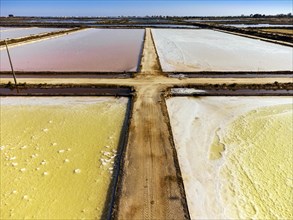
column 58, row 180
column 232, row 152
column 208, row 50
column 258, row 25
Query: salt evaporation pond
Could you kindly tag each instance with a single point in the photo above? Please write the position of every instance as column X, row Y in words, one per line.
column 25, row 32
column 146, row 25
column 7, row 28
column 258, row 25
column 208, row 50
column 207, row 20
column 235, row 155
column 91, row 50
column 84, row 21
column 57, row 155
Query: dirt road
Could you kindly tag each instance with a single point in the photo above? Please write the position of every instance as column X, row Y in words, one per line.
column 150, row 184
column 149, row 62
column 151, row 187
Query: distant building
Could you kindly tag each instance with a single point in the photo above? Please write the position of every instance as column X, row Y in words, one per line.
column 11, row 15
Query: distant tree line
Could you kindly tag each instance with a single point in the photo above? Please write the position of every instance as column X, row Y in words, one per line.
column 162, row 17
column 278, row 15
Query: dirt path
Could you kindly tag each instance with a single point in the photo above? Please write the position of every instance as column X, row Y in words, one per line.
column 151, row 188
column 150, row 64
column 139, row 81
column 150, row 184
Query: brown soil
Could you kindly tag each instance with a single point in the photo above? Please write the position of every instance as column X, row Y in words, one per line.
column 279, row 31
column 150, row 63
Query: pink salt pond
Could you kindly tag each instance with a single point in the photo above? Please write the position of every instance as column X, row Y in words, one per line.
column 90, row 50
column 12, row 33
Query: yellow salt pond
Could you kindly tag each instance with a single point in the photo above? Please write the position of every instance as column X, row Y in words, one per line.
column 257, row 174
column 57, row 155
column 235, row 155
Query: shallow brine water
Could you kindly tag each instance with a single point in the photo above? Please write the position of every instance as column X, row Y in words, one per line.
column 7, row 28
column 84, row 21
column 146, row 25
column 235, row 155
column 208, row 50
column 258, row 25
column 91, row 50
column 25, row 32
column 207, row 20
column 57, row 155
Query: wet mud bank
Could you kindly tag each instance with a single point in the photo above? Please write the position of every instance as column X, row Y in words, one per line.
column 139, row 63
column 90, row 75
column 114, row 189
column 275, row 89
column 64, row 90
column 112, row 213
column 273, row 74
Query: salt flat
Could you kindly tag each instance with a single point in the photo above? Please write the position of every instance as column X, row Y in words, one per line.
column 208, row 50
column 235, row 155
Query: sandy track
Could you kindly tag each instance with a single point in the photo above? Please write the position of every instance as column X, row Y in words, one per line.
column 150, row 186
column 143, row 81
column 150, row 64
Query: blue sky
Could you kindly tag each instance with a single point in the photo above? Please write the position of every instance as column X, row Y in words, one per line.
column 143, row 7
